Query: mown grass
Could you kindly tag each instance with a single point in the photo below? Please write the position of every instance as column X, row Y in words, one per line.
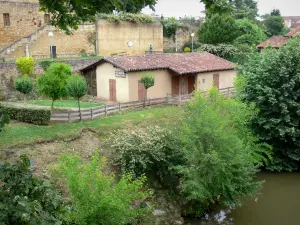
column 20, row 134
column 64, row 103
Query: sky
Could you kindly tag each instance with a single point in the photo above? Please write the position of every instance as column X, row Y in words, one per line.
column 181, row 8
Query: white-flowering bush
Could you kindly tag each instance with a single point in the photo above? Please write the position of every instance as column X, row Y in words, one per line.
column 153, row 151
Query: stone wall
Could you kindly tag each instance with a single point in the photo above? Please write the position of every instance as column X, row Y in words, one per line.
column 113, row 38
column 8, row 72
column 25, row 18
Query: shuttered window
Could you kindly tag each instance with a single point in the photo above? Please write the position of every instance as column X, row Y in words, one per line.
column 46, row 18
column 6, row 19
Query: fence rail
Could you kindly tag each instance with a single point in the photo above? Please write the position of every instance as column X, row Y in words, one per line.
column 92, row 113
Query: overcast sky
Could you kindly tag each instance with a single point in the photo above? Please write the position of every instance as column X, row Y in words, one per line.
column 180, row 8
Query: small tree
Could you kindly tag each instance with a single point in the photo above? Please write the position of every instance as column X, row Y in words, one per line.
column 274, row 25
column 24, row 85
column 53, row 82
column 25, row 65
column 218, row 29
column 148, row 82
column 4, row 119
column 77, row 88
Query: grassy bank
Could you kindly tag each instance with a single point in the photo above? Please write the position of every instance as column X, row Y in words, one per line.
column 19, row 134
column 64, row 103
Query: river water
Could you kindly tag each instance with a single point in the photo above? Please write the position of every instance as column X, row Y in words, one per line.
column 277, row 204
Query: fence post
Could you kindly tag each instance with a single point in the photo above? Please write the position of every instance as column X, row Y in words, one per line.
column 228, row 92
column 150, row 102
column 179, row 100
column 92, row 115
column 133, row 106
column 105, row 109
column 69, row 116
column 120, row 108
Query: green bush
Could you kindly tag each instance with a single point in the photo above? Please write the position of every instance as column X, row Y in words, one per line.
column 271, row 81
column 4, row 119
column 25, row 199
column 187, row 49
column 35, row 116
column 24, row 85
column 170, row 26
column 25, row 65
column 46, row 63
column 220, row 152
column 97, row 197
column 153, row 151
column 127, row 17
column 221, row 50
column 53, row 83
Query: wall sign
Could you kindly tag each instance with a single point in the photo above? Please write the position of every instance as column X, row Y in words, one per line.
column 120, row 74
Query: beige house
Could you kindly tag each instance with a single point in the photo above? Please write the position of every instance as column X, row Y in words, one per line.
column 118, row 78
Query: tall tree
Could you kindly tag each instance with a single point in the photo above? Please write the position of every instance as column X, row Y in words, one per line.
column 68, row 14
column 217, row 7
column 218, row 29
column 274, row 25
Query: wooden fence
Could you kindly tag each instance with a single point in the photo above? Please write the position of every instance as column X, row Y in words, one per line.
column 92, row 113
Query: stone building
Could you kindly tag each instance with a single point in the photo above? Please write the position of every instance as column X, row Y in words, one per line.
column 23, row 26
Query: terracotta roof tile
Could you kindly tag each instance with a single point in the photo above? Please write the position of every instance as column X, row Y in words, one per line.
column 293, row 32
column 180, row 63
column 274, row 41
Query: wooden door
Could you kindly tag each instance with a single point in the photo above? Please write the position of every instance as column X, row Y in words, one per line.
column 183, row 85
column 141, row 91
column 191, row 84
column 112, row 90
column 216, row 78
column 175, row 85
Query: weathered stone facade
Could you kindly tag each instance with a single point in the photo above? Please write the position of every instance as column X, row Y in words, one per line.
column 28, row 27
column 8, row 72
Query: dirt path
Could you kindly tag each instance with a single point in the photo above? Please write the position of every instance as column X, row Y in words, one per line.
column 44, row 155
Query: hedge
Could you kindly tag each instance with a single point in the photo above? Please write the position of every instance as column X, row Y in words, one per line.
column 28, row 115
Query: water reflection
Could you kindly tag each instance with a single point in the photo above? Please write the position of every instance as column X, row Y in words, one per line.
column 278, row 204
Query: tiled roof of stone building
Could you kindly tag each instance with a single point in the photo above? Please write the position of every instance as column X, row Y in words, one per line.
column 180, row 63
column 274, row 41
column 293, row 32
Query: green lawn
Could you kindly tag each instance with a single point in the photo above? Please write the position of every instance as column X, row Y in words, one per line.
column 64, row 103
column 20, row 134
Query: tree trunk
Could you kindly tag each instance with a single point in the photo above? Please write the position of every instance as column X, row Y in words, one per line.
column 25, row 99
column 79, row 110
column 52, row 104
column 145, row 97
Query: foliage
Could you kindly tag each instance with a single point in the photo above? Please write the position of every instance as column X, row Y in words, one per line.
column 250, row 33
column 187, row 49
column 25, row 199
column 97, row 198
column 170, row 26
column 24, row 85
column 92, row 39
column 45, row 64
column 218, row 29
column 4, row 119
column 153, row 151
column 148, row 81
column 77, row 87
column 127, row 17
column 272, row 82
column 220, row 151
column 274, row 25
column 222, row 50
column 25, row 65
column 68, row 15
column 53, row 82
column 27, row 115
column 213, row 7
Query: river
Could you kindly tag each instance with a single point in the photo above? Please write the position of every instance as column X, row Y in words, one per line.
column 277, row 204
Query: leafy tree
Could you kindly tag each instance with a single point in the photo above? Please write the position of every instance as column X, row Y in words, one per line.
column 148, row 81
column 218, row 29
column 275, row 12
column 24, row 85
column 271, row 81
column 217, row 7
column 250, row 33
column 69, row 14
column 170, row 26
column 53, row 83
column 25, row 199
column 77, row 88
column 220, row 151
column 245, row 9
column 25, row 65
column 274, row 25
column 96, row 196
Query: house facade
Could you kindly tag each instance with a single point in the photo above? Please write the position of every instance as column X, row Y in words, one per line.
column 118, row 78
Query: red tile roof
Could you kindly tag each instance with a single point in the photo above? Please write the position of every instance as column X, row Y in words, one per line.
column 293, row 32
column 274, row 41
column 180, row 63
